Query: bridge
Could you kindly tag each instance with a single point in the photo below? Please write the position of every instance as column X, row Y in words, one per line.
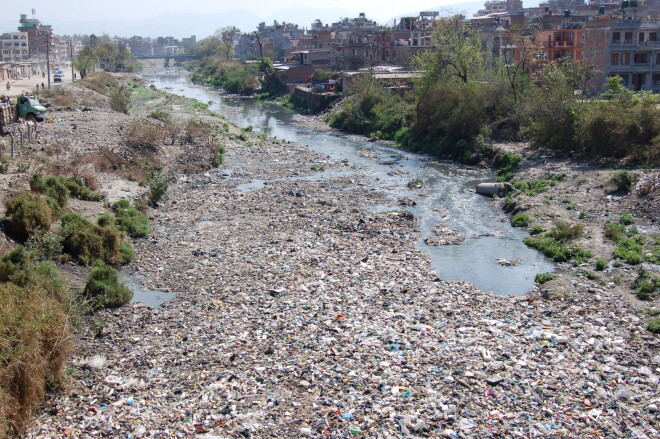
column 170, row 57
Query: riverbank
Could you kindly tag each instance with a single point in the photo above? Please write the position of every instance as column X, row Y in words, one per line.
column 585, row 194
column 299, row 310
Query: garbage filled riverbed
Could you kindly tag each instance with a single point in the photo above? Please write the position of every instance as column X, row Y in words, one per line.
column 303, row 310
column 444, row 196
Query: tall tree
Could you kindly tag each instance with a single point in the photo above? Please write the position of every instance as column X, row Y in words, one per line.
column 458, row 53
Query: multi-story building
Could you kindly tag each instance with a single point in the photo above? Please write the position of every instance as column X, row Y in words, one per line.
column 15, row 47
column 634, row 53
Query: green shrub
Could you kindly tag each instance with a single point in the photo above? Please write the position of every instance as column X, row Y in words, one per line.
column 61, row 187
column 371, row 108
column 601, row 264
column 161, row 115
column 647, row 285
column 120, row 99
column 520, row 220
column 564, row 232
column 535, row 230
column 158, row 183
column 133, row 222
column 630, row 250
column 29, row 214
column 623, row 181
column 219, row 157
column 556, row 251
column 624, row 122
column 44, row 246
column 614, row 232
column 89, row 242
column 532, row 187
column 542, row 278
column 654, row 326
column 626, row 219
column 121, row 205
column 104, row 289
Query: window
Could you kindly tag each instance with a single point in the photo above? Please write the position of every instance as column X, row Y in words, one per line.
column 657, row 58
column 627, row 37
column 614, row 59
column 641, row 37
column 653, row 36
column 656, row 79
column 558, row 37
column 642, row 58
column 542, row 55
column 616, row 37
column 625, row 59
column 568, row 54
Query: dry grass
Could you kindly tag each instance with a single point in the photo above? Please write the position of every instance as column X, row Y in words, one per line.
column 35, row 339
column 100, row 82
column 144, row 133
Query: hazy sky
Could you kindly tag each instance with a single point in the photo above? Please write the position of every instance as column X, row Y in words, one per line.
column 75, row 10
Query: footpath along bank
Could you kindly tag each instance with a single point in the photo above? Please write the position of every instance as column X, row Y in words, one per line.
column 299, row 311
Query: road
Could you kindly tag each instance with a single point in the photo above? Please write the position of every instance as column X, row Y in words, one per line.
column 18, row 86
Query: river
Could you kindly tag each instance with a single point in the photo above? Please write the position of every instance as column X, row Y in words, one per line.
column 448, row 194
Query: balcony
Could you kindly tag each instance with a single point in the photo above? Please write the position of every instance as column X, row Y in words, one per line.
column 561, row 44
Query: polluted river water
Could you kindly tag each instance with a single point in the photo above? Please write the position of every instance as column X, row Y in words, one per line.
column 447, row 198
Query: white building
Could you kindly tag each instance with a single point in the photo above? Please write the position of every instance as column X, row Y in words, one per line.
column 14, row 47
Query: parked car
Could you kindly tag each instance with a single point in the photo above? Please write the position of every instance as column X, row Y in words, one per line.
column 58, row 78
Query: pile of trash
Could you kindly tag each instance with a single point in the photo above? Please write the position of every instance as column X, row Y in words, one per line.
column 299, row 312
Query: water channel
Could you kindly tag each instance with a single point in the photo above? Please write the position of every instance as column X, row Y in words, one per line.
column 448, row 194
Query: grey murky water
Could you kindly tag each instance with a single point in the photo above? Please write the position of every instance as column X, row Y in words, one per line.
column 148, row 297
column 448, row 197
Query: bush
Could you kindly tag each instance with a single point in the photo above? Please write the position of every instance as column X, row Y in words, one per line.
column 104, row 289
column 196, row 129
column 120, row 99
column 61, row 187
column 625, row 122
column 89, row 242
column 654, row 326
column 626, row 219
column 520, row 220
column 161, row 115
column 133, row 222
column 542, row 278
column 601, row 264
column 35, row 339
column 564, row 232
column 144, row 133
column 219, row 157
column 535, row 230
column 623, row 180
column 158, row 184
column 556, row 250
column 30, row 213
column 648, row 286
column 44, row 246
column 630, row 250
column 371, row 108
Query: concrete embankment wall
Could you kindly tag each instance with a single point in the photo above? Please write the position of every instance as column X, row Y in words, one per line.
column 314, row 102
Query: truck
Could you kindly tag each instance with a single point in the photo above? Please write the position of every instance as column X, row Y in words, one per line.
column 27, row 107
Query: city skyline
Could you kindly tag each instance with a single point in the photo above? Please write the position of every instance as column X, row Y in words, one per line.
column 123, row 18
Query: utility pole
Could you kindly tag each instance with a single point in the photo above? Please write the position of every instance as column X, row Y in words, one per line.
column 48, row 57
column 73, row 75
